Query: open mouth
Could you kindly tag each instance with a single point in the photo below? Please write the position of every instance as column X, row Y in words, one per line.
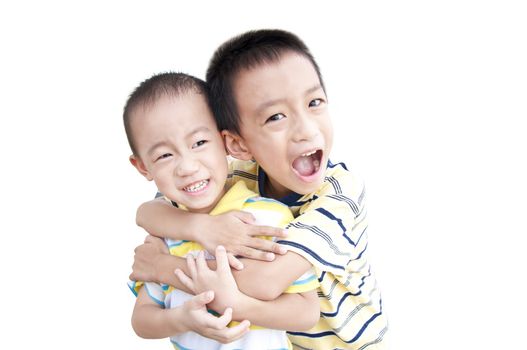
column 308, row 163
column 196, row 186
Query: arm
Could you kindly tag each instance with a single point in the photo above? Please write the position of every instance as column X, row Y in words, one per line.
column 233, row 230
column 292, row 312
column 151, row 321
column 153, row 263
column 271, row 314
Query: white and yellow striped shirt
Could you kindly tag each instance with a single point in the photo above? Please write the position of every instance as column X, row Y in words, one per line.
column 330, row 230
column 266, row 212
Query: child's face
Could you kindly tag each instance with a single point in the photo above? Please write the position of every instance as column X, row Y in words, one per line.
column 285, row 123
column 181, row 149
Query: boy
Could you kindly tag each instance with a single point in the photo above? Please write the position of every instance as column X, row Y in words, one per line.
column 269, row 99
column 176, row 143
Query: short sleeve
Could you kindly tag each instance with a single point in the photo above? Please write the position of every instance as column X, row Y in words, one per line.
column 308, row 281
column 154, row 290
column 273, row 213
column 331, row 229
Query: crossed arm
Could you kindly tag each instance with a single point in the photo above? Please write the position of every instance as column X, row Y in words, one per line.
column 261, row 284
column 151, row 321
column 256, row 303
column 161, row 219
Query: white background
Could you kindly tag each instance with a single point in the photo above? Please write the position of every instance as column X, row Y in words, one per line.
column 428, row 102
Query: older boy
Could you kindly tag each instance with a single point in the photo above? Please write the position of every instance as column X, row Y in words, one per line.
column 268, row 96
column 176, row 143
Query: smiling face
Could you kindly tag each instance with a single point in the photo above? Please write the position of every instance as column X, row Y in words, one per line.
column 285, row 125
column 180, row 148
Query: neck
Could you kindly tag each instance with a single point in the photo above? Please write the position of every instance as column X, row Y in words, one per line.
column 275, row 190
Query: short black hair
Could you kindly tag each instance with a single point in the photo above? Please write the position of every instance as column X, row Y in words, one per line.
column 245, row 51
column 155, row 87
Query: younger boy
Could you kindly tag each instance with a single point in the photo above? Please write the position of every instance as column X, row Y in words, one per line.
column 268, row 96
column 176, row 143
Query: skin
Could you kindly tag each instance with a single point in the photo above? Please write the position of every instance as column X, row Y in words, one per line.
column 180, row 149
column 280, row 104
column 283, row 105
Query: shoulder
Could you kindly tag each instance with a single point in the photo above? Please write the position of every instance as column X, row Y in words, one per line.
column 267, row 211
column 237, row 166
column 246, row 171
column 264, row 203
column 341, row 180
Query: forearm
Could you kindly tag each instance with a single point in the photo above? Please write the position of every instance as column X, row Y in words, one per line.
column 152, row 322
column 276, row 276
column 165, row 267
column 292, row 312
column 161, row 219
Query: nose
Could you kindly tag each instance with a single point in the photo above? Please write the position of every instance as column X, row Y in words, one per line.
column 187, row 166
column 306, row 128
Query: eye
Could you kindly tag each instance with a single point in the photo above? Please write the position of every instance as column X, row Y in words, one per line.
column 163, row 156
column 275, row 117
column 315, row 102
column 199, row 143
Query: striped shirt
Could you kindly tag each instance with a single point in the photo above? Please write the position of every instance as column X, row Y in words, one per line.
column 330, row 231
column 266, row 212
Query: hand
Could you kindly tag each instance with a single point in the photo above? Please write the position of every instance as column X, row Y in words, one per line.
column 199, row 320
column 221, row 281
column 236, row 231
column 145, row 257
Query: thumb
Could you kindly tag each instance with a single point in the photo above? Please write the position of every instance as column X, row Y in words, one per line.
column 200, row 300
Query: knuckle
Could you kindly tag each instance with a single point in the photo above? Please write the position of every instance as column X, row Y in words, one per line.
column 248, row 252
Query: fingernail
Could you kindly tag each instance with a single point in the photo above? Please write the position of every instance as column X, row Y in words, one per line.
column 220, row 247
column 282, row 249
column 209, row 294
column 240, row 266
column 269, row 256
column 284, row 232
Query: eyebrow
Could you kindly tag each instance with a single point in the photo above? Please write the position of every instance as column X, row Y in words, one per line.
column 269, row 103
column 189, row 134
column 197, row 130
column 154, row 146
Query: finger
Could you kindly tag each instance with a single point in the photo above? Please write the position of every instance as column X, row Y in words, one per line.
column 256, row 254
column 234, row 262
column 191, row 264
column 200, row 300
column 247, row 218
column 201, row 264
column 266, row 245
column 223, row 320
column 187, row 281
column 268, row 231
column 222, row 262
column 234, row 333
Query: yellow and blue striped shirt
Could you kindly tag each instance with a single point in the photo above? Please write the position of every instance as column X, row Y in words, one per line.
column 266, row 212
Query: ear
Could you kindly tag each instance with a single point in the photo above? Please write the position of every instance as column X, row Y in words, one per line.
column 140, row 166
column 236, row 146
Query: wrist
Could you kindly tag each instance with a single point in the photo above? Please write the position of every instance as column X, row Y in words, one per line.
column 242, row 307
column 159, row 263
column 178, row 320
column 197, row 226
